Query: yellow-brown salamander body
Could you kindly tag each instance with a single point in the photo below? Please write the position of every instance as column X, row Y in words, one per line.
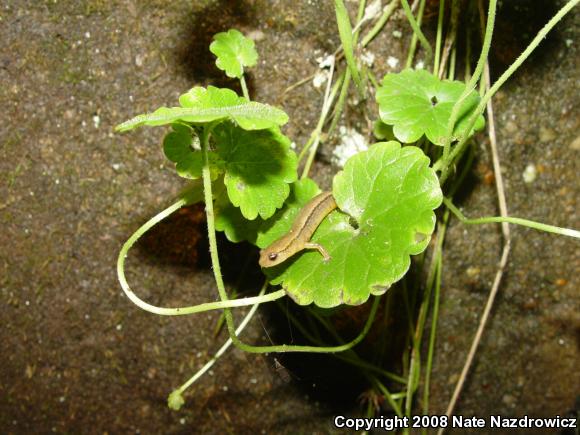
column 298, row 238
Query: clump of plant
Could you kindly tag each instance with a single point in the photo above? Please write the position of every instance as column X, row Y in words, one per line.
column 243, row 168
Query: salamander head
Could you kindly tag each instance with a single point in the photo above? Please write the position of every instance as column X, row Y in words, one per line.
column 269, row 258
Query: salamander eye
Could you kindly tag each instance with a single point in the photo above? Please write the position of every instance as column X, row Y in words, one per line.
column 272, row 256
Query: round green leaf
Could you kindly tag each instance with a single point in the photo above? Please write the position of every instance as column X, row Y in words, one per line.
column 262, row 232
column 233, row 51
column 259, row 165
column 386, row 197
column 201, row 105
column 417, row 103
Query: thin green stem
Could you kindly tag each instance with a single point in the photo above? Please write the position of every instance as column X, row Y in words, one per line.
column 449, row 39
column 389, row 398
column 225, row 346
column 452, row 62
column 179, row 311
column 329, row 95
column 434, row 318
column 355, row 359
column 458, row 149
column 317, row 349
column 387, row 12
column 511, row 220
column 244, row 88
column 413, row 46
column 417, row 29
column 345, row 32
column 472, row 81
column 415, row 365
column 350, row 355
column 360, row 15
column 439, row 36
column 340, row 103
column 318, row 131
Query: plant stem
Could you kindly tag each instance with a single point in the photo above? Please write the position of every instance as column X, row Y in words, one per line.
column 244, row 87
column 413, row 47
column 180, row 311
column 225, row 346
column 439, row 36
column 449, row 39
column 389, row 398
column 415, row 365
column 472, row 81
column 387, row 11
column 340, row 103
column 505, row 251
column 346, row 38
column 502, row 79
column 511, row 220
column 417, row 30
column 350, row 355
column 432, row 334
column 314, row 141
column 354, row 358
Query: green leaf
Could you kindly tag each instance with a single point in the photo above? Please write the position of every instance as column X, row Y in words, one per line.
column 233, row 51
column 386, row 197
column 259, row 165
column 178, row 147
column 417, row 103
column 262, row 232
column 345, row 32
column 201, row 105
column 382, row 131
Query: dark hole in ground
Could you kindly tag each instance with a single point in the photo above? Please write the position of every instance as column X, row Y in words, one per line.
column 325, row 378
column 193, row 58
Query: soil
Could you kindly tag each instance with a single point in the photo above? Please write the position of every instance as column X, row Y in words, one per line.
column 78, row 357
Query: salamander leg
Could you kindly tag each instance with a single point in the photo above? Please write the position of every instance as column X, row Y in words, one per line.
column 319, row 248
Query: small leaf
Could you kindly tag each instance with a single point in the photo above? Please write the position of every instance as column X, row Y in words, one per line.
column 259, row 165
column 178, row 147
column 382, row 131
column 233, row 51
column 202, row 105
column 262, row 232
column 386, row 197
column 417, row 103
